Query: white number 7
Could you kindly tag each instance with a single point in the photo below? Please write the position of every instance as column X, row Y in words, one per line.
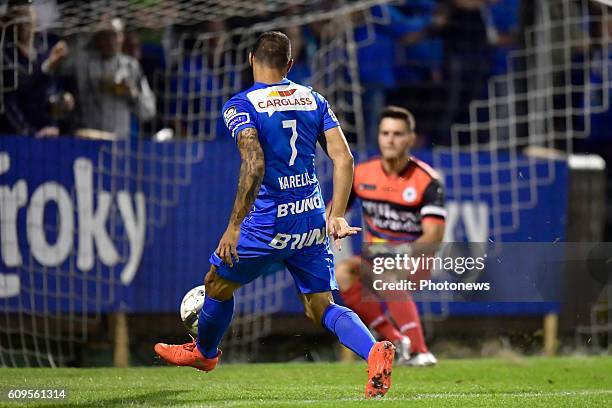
column 294, row 135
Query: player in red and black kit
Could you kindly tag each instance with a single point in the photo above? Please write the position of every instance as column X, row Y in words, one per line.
column 402, row 200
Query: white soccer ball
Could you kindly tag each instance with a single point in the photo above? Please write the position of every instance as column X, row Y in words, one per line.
column 190, row 308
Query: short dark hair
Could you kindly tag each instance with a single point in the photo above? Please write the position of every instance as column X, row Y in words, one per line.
column 273, row 48
column 397, row 112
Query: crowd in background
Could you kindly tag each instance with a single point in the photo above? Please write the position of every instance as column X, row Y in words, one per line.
column 431, row 56
column 92, row 89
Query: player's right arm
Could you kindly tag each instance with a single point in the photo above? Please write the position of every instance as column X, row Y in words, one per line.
column 342, row 158
column 239, row 119
column 251, row 176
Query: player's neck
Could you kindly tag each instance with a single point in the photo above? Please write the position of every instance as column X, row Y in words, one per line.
column 267, row 76
column 395, row 166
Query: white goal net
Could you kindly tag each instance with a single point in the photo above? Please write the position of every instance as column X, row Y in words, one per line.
column 544, row 101
column 534, row 115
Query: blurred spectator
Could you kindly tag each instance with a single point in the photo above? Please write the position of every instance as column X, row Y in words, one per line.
column 376, row 36
column 597, row 59
column 300, row 71
column 198, row 83
column 420, row 57
column 132, row 46
column 109, row 84
column 28, row 101
column 505, row 18
column 418, row 69
column 444, row 67
column 145, row 47
column 468, row 32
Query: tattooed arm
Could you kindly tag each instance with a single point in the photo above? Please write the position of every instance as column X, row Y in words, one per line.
column 251, row 175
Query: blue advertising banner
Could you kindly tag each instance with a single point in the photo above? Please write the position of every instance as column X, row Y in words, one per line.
column 88, row 225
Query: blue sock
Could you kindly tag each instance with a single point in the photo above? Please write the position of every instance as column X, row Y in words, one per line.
column 349, row 329
column 215, row 317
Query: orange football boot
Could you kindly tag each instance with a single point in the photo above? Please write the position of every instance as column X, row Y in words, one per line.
column 380, row 362
column 186, row 355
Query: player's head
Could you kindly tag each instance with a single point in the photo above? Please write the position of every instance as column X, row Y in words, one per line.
column 108, row 37
column 395, row 132
column 272, row 50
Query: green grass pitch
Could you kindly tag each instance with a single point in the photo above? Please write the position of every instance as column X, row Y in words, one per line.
column 568, row 381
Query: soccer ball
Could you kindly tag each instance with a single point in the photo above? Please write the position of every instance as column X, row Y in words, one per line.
column 190, row 308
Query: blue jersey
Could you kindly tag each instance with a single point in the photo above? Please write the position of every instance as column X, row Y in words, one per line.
column 286, row 226
column 288, row 118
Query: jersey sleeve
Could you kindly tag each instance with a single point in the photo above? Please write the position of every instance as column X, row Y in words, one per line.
column 433, row 201
column 328, row 117
column 238, row 114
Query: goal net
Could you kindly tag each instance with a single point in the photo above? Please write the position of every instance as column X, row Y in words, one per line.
column 551, row 97
column 554, row 83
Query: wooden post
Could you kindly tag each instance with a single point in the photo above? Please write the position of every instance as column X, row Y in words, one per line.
column 551, row 325
column 121, row 349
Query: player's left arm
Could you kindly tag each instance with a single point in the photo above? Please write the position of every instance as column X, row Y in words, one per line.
column 252, row 170
column 433, row 214
column 433, row 232
column 342, row 159
column 334, row 144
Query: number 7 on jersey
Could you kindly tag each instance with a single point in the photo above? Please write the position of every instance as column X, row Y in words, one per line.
column 292, row 124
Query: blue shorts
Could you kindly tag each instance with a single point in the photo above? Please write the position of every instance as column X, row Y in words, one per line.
column 300, row 245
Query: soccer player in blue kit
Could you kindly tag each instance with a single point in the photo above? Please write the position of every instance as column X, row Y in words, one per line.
column 278, row 218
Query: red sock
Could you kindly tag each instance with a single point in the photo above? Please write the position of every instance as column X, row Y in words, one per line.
column 406, row 316
column 371, row 313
